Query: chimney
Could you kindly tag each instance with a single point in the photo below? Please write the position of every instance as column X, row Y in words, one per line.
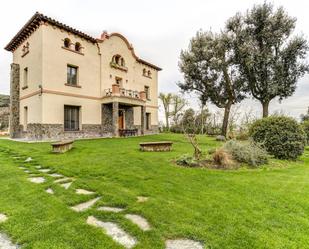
column 104, row 35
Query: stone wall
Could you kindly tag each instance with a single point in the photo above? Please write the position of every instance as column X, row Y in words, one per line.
column 15, row 129
column 107, row 119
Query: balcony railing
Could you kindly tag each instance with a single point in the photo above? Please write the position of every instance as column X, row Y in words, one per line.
column 122, row 92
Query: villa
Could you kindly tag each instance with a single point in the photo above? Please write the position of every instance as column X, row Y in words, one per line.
column 67, row 84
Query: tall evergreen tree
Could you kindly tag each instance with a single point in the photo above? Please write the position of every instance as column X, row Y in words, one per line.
column 269, row 58
column 209, row 70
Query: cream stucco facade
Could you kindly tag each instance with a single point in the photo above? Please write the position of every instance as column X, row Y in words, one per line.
column 113, row 91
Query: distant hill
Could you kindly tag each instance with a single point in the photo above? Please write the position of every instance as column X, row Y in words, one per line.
column 4, row 100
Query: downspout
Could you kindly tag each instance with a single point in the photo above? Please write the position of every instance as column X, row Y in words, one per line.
column 100, row 74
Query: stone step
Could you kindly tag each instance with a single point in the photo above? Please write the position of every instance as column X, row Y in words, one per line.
column 49, row 191
column 66, row 185
column 6, row 243
column 3, row 218
column 138, row 220
column 37, row 179
column 183, row 244
column 44, row 170
column 114, row 231
column 80, row 191
column 111, row 209
column 85, row 205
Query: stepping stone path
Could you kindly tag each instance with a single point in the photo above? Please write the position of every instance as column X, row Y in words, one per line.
column 141, row 222
column 55, row 175
column 111, row 209
column 142, row 198
column 183, row 244
column 26, row 171
column 80, row 191
column 66, row 185
column 38, row 167
column 5, row 242
column 29, row 159
column 114, row 231
column 44, row 170
column 85, row 205
column 49, row 191
column 3, row 218
column 37, row 179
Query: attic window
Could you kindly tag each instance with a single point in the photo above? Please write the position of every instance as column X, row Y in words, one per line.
column 118, row 62
column 25, row 49
column 144, row 71
column 149, row 73
column 78, row 47
column 67, row 43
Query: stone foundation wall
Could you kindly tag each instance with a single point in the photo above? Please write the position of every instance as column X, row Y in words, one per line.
column 56, row 132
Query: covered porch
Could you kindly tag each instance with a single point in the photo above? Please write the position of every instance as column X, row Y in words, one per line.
column 118, row 113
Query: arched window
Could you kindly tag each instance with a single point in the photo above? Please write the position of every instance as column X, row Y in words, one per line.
column 149, row 73
column 118, row 60
column 144, row 71
column 78, row 47
column 122, row 62
column 67, row 43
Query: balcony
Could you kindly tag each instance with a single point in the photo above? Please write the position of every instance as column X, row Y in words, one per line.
column 122, row 95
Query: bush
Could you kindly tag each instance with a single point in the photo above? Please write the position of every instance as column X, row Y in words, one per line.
column 223, row 159
column 186, row 160
column 246, row 152
column 281, row 136
column 305, row 126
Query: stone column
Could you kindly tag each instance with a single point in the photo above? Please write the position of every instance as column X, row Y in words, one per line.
column 14, row 101
column 115, row 119
column 143, row 118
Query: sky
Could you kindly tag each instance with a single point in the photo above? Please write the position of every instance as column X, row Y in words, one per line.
column 158, row 30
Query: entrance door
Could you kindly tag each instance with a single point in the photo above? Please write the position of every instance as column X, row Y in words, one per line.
column 121, row 120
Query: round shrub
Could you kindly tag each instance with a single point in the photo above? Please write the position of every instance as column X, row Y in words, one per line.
column 305, row 126
column 281, row 136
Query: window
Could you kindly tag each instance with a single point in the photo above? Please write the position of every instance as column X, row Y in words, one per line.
column 148, row 121
column 25, row 117
column 146, row 89
column 144, row 71
column 78, row 47
column 72, row 75
column 67, row 43
column 149, row 74
column 25, row 77
column 71, row 118
column 118, row 81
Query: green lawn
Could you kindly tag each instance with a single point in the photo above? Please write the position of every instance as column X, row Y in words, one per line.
column 242, row 209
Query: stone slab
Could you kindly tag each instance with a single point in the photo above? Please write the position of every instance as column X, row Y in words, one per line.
column 114, row 231
column 3, row 218
column 44, row 170
column 66, row 185
column 183, row 244
column 111, row 209
column 37, row 179
column 49, row 191
column 85, row 205
column 80, row 191
column 5, row 242
column 138, row 220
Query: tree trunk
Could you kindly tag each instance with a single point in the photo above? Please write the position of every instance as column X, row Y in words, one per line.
column 225, row 123
column 265, row 108
column 167, row 122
